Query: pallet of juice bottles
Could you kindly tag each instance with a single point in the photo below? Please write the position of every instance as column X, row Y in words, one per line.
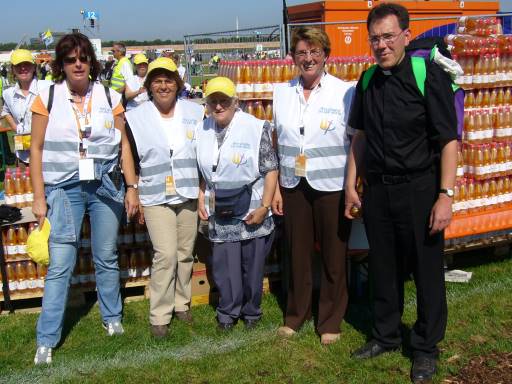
column 482, row 206
column 255, row 80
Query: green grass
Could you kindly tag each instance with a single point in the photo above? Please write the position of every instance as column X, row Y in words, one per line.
column 480, row 321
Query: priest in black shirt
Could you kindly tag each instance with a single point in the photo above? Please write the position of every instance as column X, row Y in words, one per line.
column 405, row 149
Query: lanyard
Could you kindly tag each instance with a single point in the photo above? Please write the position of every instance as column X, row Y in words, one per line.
column 301, row 123
column 27, row 103
column 83, row 118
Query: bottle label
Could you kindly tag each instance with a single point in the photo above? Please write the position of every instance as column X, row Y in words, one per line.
column 146, row 271
column 140, row 237
column 258, row 89
column 132, row 272
column 40, row 283
column 29, row 197
column 13, row 286
column 492, row 78
column 455, row 207
column 477, row 79
column 459, row 79
column 22, row 285
column 32, row 284
column 268, row 87
column 500, row 132
column 12, row 250
column 241, row 89
column 86, row 243
column 75, row 280
column 472, row 135
column 10, row 199
column 460, row 171
column 19, row 198
column 488, row 133
column 493, row 200
column 22, row 249
column 500, row 77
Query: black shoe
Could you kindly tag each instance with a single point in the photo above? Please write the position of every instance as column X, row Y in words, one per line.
column 423, row 369
column 371, row 349
column 251, row 324
column 225, row 327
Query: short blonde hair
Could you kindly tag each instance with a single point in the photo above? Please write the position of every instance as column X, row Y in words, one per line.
column 313, row 36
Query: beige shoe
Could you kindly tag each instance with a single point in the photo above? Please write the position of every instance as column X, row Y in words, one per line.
column 185, row 316
column 285, row 331
column 329, row 338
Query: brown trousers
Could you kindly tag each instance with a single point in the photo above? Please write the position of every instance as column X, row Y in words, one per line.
column 309, row 216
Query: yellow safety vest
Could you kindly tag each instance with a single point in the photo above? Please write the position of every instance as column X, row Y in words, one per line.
column 118, row 81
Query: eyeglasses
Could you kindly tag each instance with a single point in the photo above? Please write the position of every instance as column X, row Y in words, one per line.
column 224, row 103
column 313, row 53
column 72, row 59
column 387, row 38
column 168, row 83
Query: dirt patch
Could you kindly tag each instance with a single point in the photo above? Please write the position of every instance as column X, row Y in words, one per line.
column 494, row 368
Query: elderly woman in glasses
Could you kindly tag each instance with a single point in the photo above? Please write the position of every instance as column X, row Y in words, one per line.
column 310, row 114
column 77, row 133
column 163, row 132
column 239, row 169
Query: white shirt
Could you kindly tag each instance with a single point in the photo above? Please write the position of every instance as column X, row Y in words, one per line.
column 170, row 131
column 18, row 106
column 134, row 83
column 181, row 71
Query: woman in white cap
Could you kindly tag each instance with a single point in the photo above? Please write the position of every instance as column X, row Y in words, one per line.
column 163, row 143
column 239, row 168
column 135, row 92
column 18, row 99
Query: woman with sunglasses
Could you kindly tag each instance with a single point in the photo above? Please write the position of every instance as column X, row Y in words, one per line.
column 77, row 135
column 163, row 143
column 239, row 169
column 310, row 114
column 18, row 99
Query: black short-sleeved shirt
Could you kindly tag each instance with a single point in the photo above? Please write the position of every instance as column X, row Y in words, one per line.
column 403, row 128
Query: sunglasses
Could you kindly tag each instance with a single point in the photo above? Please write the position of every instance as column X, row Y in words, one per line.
column 224, row 103
column 72, row 59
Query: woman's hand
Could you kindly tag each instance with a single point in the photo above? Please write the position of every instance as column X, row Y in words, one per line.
column 140, row 216
column 131, row 202
column 201, row 208
column 277, row 202
column 39, row 209
column 257, row 216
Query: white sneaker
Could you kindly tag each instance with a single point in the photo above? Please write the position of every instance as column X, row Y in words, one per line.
column 43, row 356
column 114, row 329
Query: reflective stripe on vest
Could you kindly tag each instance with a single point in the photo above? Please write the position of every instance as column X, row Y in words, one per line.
column 239, row 157
column 117, row 81
column 154, row 151
column 61, row 142
column 325, row 143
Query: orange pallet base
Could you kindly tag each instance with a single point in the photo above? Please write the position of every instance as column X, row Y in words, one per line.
column 480, row 222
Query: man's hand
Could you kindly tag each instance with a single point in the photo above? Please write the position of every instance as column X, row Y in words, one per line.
column 441, row 214
column 257, row 216
column 351, row 200
column 277, row 203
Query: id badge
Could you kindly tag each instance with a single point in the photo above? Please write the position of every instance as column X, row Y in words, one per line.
column 170, row 187
column 300, row 165
column 86, row 169
column 211, row 202
column 22, row 142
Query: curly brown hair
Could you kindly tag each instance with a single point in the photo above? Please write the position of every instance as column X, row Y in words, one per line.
column 70, row 43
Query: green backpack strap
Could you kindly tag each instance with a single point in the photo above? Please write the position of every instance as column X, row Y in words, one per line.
column 419, row 68
column 368, row 76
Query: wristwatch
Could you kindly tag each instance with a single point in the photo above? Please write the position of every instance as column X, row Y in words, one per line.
column 266, row 206
column 447, row 191
column 134, row 186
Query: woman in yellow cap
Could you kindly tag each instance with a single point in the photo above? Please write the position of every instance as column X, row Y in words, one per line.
column 18, row 99
column 239, row 168
column 134, row 92
column 163, row 143
column 77, row 133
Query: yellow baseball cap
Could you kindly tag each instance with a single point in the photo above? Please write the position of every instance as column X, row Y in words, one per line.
column 140, row 58
column 21, row 56
column 222, row 85
column 162, row 62
column 37, row 243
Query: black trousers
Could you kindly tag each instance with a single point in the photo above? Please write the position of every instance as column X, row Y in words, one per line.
column 397, row 218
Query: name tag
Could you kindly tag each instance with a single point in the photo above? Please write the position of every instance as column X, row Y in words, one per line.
column 170, row 187
column 300, row 165
column 86, row 169
column 22, row 142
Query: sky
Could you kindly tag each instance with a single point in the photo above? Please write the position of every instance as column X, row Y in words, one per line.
column 143, row 19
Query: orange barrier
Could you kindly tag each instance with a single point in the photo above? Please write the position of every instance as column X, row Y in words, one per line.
column 479, row 222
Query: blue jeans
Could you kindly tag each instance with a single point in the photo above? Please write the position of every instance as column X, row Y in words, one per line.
column 67, row 207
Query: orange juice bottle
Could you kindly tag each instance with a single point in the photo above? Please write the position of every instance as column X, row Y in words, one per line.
column 11, row 244
column 478, row 71
column 478, row 130
column 493, row 194
column 498, row 126
column 487, row 161
column 493, row 98
column 470, row 196
column 245, row 86
column 500, row 192
column 493, row 69
column 500, row 97
column 493, row 148
column 10, row 192
column 249, row 108
column 343, row 69
column 19, row 188
column 237, row 76
column 267, row 80
column 22, row 242
column 508, row 159
column 507, row 98
column 460, row 161
column 469, row 99
column 507, row 125
column 29, row 193
column 278, row 72
column 12, row 279
column 257, row 80
column 259, row 112
column 507, row 191
column 485, row 195
column 478, row 161
column 487, row 128
column 42, row 270
column 21, row 275
column 268, row 112
column 486, row 98
column 31, row 276
column 469, row 127
column 478, row 202
column 463, row 203
column 500, row 159
column 456, row 198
